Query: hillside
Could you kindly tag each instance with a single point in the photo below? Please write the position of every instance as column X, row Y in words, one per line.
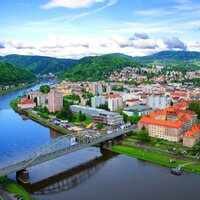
column 178, row 60
column 39, row 64
column 171, row 55
column 95, row 68
column 10, row 74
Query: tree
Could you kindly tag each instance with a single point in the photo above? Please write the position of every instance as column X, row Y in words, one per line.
column 84, row 116
column 100, row 125
column 143, row 135
column 81, row 117
column 45, row 89
column 195, row 106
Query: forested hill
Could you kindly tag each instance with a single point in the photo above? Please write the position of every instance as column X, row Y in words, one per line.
column 39, row 64
column 95, row 68
column 171, row 55
column 10, row 74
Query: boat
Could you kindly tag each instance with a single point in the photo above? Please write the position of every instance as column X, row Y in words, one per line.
column 176, row 171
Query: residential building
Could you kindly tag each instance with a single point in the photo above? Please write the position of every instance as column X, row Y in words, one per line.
column 115, row 102
column 99, row 115
column 140, row 110
column 192, row 136
column 97, row 101
column 26, row 103
column 95, row 88
column 38, row 97
column 55, row 101
column 158, row 102
column 169, row 124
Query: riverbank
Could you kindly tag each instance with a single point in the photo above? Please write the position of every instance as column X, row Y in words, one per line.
column 3, row 92
column 14, row 188
column 157, row 158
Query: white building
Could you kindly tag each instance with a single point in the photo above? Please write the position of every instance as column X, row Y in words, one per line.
column 158, row 102
column 115, row 104
column 97, row 101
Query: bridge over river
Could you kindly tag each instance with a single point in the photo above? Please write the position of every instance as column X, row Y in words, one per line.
column 59, row 147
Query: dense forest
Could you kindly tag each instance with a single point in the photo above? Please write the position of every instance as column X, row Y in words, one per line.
column 10, row 74
column 39, row 64
column 95, row 68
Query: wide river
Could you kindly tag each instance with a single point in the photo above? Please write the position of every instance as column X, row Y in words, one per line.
column 89, row 174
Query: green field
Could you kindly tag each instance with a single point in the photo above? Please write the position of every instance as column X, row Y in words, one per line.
column 14, row 188
column 156, row 158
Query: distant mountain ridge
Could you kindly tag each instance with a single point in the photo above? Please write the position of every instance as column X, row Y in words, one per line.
column 165, row 55
column 171, row 55
column 39, row 64
column 43, row 64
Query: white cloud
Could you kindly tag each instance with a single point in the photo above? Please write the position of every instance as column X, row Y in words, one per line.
column 79, row 46
column 71, row 3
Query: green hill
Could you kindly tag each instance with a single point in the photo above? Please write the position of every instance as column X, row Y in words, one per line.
column 10, row 74
column 171, row 55
column 176, row 60
column 95, row 68
column 39, row 64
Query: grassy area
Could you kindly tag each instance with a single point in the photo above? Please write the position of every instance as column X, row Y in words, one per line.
column 14, row 188
column 87, row 121
column 156, row 158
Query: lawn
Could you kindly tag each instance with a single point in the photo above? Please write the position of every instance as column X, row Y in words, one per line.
column 155, row 158
column 87, row 121
column 14, row 188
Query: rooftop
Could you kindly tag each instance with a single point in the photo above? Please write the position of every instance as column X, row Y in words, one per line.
column 193, row 131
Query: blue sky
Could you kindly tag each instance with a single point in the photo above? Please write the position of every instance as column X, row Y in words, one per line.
column 77, row 28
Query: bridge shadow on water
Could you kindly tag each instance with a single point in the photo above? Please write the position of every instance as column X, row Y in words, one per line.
column 70, row 178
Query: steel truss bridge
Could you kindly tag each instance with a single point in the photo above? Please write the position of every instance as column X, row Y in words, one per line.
column 60, row 147
column 70, row 178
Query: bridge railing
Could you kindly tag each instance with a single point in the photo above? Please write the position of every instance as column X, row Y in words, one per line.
column 58, row 147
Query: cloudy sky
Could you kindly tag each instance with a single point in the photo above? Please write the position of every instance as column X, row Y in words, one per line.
column 77, row 28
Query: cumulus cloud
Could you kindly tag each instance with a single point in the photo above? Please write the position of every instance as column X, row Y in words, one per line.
column 175, row 43
column 143, row 36
column 70, row 3
column 80, row 46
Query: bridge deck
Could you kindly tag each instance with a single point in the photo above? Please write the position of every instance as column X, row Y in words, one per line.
column 56, row 148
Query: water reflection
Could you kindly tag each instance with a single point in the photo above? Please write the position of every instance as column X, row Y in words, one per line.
column 70, row 178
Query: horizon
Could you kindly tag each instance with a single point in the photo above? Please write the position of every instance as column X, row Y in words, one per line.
column 114, row 54
column 76, row 29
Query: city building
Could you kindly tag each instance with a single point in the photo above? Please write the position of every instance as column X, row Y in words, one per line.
column 140, row 110
column 38, row 97
column 158, row 102
column 115, row 102
column 55, row 101
column 99, row 115
column 95, row 88
column 97, row 101
column 26, row 103
column 169, row 124
column 192, row 136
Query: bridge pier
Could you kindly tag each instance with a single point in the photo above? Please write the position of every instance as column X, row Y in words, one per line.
column 107, row 144
column 23, row 176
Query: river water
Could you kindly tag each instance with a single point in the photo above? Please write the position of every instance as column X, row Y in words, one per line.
column 89, row 174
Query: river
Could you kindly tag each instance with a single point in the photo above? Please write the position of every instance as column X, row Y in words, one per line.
column 89, row 174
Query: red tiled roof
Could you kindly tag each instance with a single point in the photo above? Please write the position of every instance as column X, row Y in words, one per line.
column 178, row 94
column 193, row 131
column 26, row 101
column 182, row 116
column 171, row 124
column 111, row 96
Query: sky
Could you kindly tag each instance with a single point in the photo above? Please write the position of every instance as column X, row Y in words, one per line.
column 78, row 28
